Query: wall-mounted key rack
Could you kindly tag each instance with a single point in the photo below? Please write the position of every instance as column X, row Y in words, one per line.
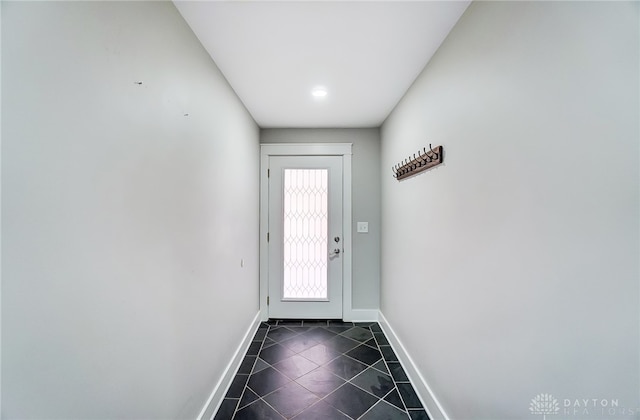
column 426, row 159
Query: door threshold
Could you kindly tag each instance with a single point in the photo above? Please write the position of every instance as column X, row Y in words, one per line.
column 280, row 322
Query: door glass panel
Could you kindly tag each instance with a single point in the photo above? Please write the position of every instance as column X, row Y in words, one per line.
column 305, row 233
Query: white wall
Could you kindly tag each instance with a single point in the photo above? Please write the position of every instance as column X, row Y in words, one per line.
column 365, row 200
column 513, row 269
column 124, row 220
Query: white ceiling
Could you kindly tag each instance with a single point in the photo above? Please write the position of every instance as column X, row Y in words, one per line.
column 366, row 54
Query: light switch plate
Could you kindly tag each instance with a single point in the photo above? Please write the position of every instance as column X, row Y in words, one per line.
column 363, row 227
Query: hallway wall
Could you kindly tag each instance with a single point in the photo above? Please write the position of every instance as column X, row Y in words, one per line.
column 365, row 200
column 512, row 269
column 124, row 214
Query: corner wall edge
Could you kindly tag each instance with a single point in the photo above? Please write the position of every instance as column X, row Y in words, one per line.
column 220, row 389
column 422, row 388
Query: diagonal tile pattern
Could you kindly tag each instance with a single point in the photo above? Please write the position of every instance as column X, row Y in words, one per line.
column 320, row 370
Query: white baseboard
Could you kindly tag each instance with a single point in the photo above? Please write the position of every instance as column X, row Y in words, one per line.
column 362, row 315
column 220, row 390
column 424, row 391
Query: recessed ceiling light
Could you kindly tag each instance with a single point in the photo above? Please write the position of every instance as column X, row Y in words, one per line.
column 319, row 92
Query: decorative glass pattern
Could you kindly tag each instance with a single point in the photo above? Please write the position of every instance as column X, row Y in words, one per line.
column 305, row 233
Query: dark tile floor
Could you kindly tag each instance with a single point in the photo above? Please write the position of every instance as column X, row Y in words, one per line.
column 320, row 370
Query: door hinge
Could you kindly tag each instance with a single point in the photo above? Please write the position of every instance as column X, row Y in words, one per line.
column 267, row 300
column 267, row 236
column 268, row 173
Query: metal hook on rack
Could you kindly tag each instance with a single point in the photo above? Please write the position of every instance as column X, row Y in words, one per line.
column 427, row 155
column 433, row 151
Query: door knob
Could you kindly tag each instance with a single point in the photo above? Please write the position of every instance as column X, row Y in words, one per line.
column 335, row 251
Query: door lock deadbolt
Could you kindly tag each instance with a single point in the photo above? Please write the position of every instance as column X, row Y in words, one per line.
column 337, row 239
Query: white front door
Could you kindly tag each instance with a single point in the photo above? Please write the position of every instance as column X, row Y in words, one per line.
column 305, row 237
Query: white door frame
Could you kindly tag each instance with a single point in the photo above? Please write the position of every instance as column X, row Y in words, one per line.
column 306, row 149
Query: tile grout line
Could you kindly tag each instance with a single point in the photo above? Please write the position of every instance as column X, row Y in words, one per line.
column 347, row 381
column 380, row 399
column 246, row 385
column 404, row 404
column 386, row 363
column 395, row 383
column 323, row 398
column 290, row 327
column 290, row 380
column 406, row 411
column 294, row 380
